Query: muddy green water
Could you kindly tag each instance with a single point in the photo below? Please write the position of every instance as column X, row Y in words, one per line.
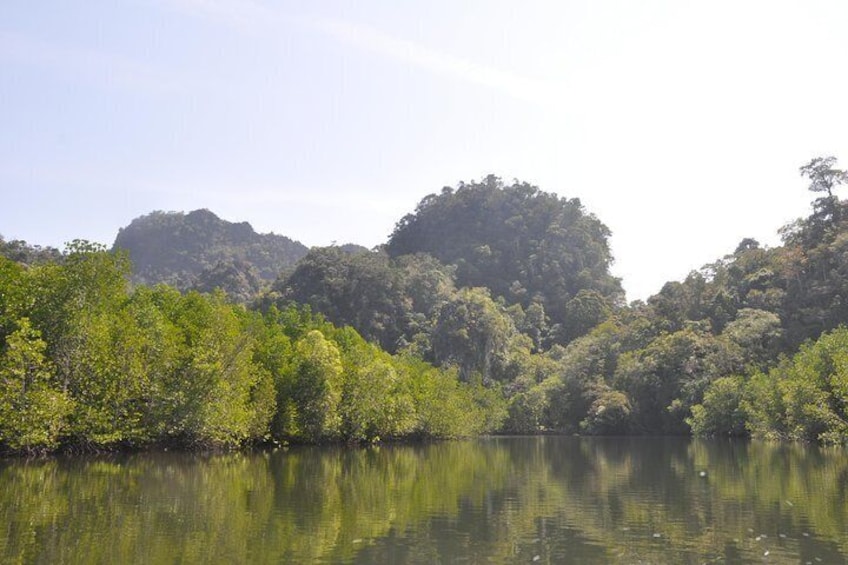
column 492, row 500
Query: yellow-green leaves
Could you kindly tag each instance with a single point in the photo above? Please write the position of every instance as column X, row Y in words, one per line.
column 32, row 409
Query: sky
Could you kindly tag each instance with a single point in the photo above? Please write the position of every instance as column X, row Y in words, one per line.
column 680, row 124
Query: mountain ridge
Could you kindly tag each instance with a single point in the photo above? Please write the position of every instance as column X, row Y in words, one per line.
column 198, row 249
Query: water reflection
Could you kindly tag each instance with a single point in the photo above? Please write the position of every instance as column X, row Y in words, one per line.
column 496, row 500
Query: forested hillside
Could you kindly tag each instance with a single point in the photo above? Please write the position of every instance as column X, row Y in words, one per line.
column 491, row 308
column 511, row 285
column 528, row 247
column 528, row 262
column 719, row 351
column 26, row 254
column 200, row 251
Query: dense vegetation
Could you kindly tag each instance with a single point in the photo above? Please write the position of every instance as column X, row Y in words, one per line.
column 24, row 253
column 200, row 251
column 89, row 363
column 510, row 285
column 526, row 246
column 489, row 308
column 479, row 278
column 718, row 352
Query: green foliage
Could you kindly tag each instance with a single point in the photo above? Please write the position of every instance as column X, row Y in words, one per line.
column 523, row 244
column 579, row 371
column 586, row 310
column 212, row 397
column 33, row 410
column 239, row 279
column 87, row 362
column 447, row 408
column 525, row 411
column 757, row 335
column 609, row 414
column 200, row 250
column 359, row 289
column 667, row 377
column 824, row 177
column 106, row 377
column 527, row 378
column 14, row 295
column 493, row 301
column 376, row 400
column 763, row 404
column 722, row 411
column 79, row 307
column 737, row 317
column 315, row 388
column 473, row 333
column 20, row 251
column 543, row 257
column 804, row 397
column 391, row 302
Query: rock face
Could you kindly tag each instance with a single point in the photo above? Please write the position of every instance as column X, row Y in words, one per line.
column 200, row 250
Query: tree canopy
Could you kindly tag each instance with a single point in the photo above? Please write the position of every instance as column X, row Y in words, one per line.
column 87, row 362
column 491, row 308
column 523, row 244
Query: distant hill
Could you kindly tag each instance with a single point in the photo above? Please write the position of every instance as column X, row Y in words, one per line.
column 484, row 255
column 200, row 250
column 525, row 245
column 22, row 252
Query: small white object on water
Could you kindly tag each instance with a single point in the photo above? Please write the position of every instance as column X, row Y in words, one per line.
column 537, row 557
column 789, row 503
column 657, row 535
column 702, row 474
column 766, row 553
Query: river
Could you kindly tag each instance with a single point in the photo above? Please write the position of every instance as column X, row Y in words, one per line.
column 490, row 500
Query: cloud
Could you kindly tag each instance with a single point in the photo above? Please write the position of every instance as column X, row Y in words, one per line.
column 94, row 66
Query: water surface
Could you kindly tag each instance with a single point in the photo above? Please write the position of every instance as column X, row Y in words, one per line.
column 492, row 500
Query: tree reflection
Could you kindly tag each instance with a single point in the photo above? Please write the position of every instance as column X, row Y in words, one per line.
column 552, row 499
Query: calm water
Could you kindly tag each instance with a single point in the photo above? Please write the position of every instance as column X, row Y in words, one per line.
column 498, row 500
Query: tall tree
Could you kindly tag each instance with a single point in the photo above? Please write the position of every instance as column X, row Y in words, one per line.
column 823, row 175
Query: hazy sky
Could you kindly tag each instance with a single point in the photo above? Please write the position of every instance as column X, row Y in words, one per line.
column 680, row 124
